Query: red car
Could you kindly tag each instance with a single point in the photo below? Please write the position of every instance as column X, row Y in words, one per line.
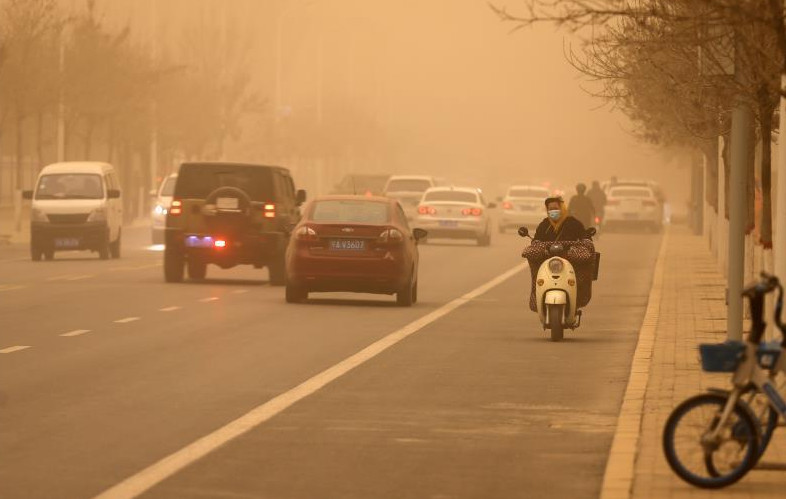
column 361, row 244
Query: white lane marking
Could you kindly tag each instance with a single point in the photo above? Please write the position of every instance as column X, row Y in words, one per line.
column 60, row 277
column 239, row 291
column 76, row 332
column 136, row 484
column 10, row 287
column 80, row 277
column 169, row 309
column 15, row 348
column 127, row 320
column 207, row 300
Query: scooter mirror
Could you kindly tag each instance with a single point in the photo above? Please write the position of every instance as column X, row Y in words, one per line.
column 523, row 232
column 591, row 231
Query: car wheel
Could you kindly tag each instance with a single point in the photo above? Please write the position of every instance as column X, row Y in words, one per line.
column 405, row 296
column 278, row 271
column 49, row 254
column 103, row 249
column 114, row 248
column 295, row 294
column 484, row 240
column 415, row 293
column 36, row 253
column 173, row 265
column 197, row 269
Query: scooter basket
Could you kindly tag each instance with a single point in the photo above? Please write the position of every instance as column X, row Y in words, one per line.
column 721, row 357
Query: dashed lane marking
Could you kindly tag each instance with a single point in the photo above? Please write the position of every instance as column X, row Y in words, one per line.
column 10, row 287
column 154, row 474
column 15, row 348
column 127, row 320
column 80, row 277
column 60, row 277
column 208, row 300
column 239, row 291
column 76, row 332
column 169, row 309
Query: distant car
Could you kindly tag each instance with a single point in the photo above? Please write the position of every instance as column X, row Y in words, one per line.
column 230, row 214
column 455, row 213
column 358, row 244
column 408, row 189
column 523, row 206
column 161, row 207
column 632, row 206
column 656, row 190
column 362, row 184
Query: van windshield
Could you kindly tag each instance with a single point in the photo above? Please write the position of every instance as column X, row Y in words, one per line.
column 70, row 186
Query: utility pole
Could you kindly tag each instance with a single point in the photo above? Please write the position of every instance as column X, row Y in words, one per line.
column 779, row 248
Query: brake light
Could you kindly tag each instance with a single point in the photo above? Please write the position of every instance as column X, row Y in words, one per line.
column 475, row 212
column 219, row 243
column 427, row 210
column 306, row 233
column 176, row 208
column 391, row 236
column 507, row 205
column 270, row 210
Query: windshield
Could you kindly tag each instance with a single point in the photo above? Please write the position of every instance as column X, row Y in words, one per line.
column 455, row 196
column 168, row 189
column 70, row 186
column 528, row 193
column 197, row 181
column 350, row 211
column 360, row 184
column 630, row 193
column 408, row 185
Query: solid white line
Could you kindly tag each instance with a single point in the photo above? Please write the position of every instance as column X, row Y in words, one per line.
column 169, row 309
column 76, row 332
column 80, row 277
column 8, row 287
column 168, row 466
column 239, row 291
column 127, row 319
column 621, row 465
column 14, row 348
column 60, row 277
column 206, row 300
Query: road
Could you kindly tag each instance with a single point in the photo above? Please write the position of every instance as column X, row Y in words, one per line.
column 122, row 370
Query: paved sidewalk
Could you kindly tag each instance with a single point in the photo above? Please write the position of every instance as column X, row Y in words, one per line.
column 691, row 311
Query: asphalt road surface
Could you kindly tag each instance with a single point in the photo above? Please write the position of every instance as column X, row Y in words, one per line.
column 121, row 370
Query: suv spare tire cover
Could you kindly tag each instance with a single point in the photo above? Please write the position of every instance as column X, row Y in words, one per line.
column 243, row 200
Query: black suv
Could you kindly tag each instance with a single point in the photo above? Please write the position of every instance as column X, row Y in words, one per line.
column 230, row 214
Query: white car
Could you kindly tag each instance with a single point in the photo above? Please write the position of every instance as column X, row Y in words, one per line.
column 523, row 206
column 409, row 189
column 161, row 206
column 630, row 205
column 455, row 213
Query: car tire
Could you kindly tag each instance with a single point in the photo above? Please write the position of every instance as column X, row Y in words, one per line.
column 295, row 294
column 49, row 254
column 405, row 296
column 484, row 240
column 36, row 253
column 278, row 271
column 103, row 249
column 415, row 293
column 114, row 248
column 197, row 269
column 173, row 265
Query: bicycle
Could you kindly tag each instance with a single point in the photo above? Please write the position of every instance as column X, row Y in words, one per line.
column 730, row 438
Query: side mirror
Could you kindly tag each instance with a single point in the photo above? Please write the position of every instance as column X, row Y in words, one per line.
column 419, row 234
column 113, row 194
column 523, row 232
column 492, row 206
column 300, row 197
column 27, row 194
column 591, row 231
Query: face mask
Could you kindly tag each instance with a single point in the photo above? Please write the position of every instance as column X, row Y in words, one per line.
column 555, row 214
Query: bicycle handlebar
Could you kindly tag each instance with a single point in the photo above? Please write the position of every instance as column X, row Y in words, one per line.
column 755, row 294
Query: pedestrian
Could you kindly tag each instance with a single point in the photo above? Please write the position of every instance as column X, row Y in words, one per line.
column 581, row 207
column 598, row 198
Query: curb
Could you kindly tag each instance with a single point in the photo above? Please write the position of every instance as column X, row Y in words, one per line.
column 620, row 467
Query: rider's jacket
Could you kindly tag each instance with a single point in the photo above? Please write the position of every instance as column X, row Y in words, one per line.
column 570, row 230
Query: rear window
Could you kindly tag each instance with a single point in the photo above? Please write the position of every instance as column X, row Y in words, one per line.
column 350, row 211
column 529, row 193
column 70, row 186
column 454, row 196
column 197, row 181
column 408, row 185
column 630, row 193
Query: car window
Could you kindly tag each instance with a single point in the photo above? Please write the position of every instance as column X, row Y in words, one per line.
column 70, row 186
column 402, row 217
column 350, row 211
column 408, row 185
column 618, row 192
column 197, row 181
column 454, row 196
column 168, row 189
column 528, row 193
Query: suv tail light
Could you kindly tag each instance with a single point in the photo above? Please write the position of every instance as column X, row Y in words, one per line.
column 306, row 233
column 507, row 205
column 176, row 208
column 427, row 210
column 390, row 236
column 270, row 210
column 475, row 212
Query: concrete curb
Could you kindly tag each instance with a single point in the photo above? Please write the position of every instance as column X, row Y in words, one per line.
column 620, row 467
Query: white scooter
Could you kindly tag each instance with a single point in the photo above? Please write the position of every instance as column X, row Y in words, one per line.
column 555, row 289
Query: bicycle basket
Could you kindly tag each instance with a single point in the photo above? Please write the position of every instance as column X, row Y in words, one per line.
column 768, row 354
column 721, row 357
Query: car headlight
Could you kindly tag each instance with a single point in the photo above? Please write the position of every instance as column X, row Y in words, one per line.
column 37, row 215
column 97, row 215
column 556, row 266
column 159, row 210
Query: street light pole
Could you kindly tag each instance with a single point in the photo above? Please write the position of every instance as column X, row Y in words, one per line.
column 779, row 248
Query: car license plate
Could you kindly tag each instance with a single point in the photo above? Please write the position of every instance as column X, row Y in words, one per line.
column 347, row 244
column 67, row 242
column 227, row 203
column 448, row 223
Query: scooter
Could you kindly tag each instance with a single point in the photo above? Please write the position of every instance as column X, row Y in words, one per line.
column 556, row 290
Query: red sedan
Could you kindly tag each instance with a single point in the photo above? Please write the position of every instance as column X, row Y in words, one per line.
column 353, row 243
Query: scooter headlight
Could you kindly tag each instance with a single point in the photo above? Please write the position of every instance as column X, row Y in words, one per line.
column 556, row 266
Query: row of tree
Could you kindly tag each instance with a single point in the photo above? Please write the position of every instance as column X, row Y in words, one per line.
column 670, row 65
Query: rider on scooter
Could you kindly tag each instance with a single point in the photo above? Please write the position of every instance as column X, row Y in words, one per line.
column 559, row 226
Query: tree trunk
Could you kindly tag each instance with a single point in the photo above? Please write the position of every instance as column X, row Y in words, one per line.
column 20, row 152
column 39, row 140
column 750, row 165
column 710, row 150
column 89, row 128
column 766, row 112
column 726, row 172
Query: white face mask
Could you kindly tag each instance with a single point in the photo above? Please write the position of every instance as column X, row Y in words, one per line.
column 554, row 214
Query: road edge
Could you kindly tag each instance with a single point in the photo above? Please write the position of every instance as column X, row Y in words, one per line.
column 620, row 466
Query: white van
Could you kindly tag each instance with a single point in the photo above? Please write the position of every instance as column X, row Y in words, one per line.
column 161, row 207
column 76, row 206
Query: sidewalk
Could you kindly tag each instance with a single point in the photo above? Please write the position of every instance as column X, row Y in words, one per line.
column 691, row 311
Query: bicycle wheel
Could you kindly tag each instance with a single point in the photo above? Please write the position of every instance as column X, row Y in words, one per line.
column 709, row 463
column 766, row 416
